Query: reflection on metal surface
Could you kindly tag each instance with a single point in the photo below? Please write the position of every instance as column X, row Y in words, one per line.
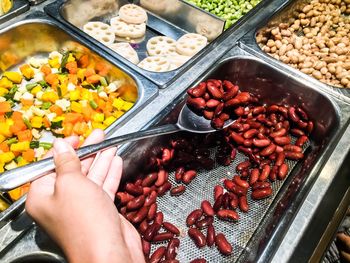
column 38, row 257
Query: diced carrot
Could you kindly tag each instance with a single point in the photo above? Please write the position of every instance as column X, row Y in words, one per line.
column 46, row 70
column 16, row 115
column 29, row 155
column 56, row 109
column 25, row 135
column 87, row 112
column 4, row 147
column 73, row 78
column 102, row 68
column 80, row 128
column 52, row 79
column 73, row 118
column 46, row 122
column 72, row 67
column 83, row 61
column 89, row 72
column 2, row 117
column 93, row 79
column 101, row 104
column 67, row 129
column 27, row 102
column 5, row 106
column 18, row 126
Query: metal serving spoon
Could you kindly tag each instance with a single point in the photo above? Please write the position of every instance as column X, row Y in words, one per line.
column 187, row 121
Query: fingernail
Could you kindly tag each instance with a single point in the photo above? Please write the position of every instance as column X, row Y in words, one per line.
column 60, row 146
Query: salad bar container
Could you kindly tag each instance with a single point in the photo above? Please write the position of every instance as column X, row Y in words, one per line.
column 296, row 223
column 17, row 8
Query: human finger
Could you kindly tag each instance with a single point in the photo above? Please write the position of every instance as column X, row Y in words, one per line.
column 111, row 183
column 101, row 166
column 72, row 140
column 343, row 242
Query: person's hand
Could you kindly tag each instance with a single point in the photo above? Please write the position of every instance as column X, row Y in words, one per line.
column 75, row 206
column 343, row 244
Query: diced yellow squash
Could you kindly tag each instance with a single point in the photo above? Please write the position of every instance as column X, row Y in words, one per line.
column 5, row 83
column 3, row 204
column 98, row 125
column 55, row 62
column 71, row 58
column 5, row 129
column 15, row 77
column 127, row 106
column 58, row 118
column 98, row 117
column 2, row 138
column 81, row 74
column 118, row 103
column 36, row 89
column 74, row 95
column 118, row 114
column 15, row 194
column 22, row 162
column 3, row 91
column 36, row 122
column 76, row 107
column 27, row 71
column 109, row 120
column 86, row 95
column 6, row 157
column 20, row 146
column 50, row 96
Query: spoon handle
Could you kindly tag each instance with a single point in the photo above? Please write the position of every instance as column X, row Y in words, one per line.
column 19, row 176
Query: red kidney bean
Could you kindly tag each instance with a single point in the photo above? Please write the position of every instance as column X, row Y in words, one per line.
column 198, row 260
column 179, row 173
column 189, row 176
column 151, row 198
column 130, row 215
column 250, row 133
column 151, row 231
column 243, row 166
column 228, row 84
column 261, row 143
column 218, row 190
column 205, row 222
column 217, row 123
column 292, row 148
column 226, row 200
column 239, row 112
column 164, row 188
column 283, row 111
column 210, row 235
column 140, row 215
column 279, row 149
column 226, row 214
column 254, row 176
column 261, row 193
column 237, row 180
column 265, row 172
column 134, row 189
column 294, row 155
column 284, row 140
column 248, row 143
column 214, row 91
column 272, row 108
column 224, row 116
column 268, row 150
column 233, row 103
column 162, row 177
column 293, row 115
column 254, row 124
column 301, row 141
column 233, row 201
column 229, row 185
column 223, row 245
column 170, row 261
column 207, row 208
column 147, row 190
column 197, row 236
column 166, row 156
column 283, row 171
column 302, row 124
column 273, row 173
column 280, row 159
column 243, row 97
column 149, row 179
column 243, row 203
column 178, row 190
column 124, row 198
column 172, row 248
column 146, row 247
column 219, row 109
column 230, row 94
column 171, row 228
column 244, row 173
column 158, row 255
column 159, row 218
column 237, row 138
column 212, row 103
column 218, row 202
column 209, row 115
column 258, row 110
column 143, row 226
column 297, row 132
column 162, row 237
column 310, row 127
column 136, row 203
column 196, row 103
column 302, row 114
column 152, row 211
column 206, row 96
column 193, row 217
column 198, row 91
column 138, row 182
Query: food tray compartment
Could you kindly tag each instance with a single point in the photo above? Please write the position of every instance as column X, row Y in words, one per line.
column 178, row 19
column 19, row 7
column 253, row 231
column 38, row 37
column 287, row 14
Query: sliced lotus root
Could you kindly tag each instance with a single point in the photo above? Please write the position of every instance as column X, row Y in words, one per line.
column 177, row 60
column 133, row 14
column 126, row 51
column 157, row 64
column 161, row 45
column 100, row 31
column 122, row 29
column 190, row 44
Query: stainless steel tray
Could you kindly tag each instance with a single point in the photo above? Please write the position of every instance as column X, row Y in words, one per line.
column 283, row 12
column 19, row 7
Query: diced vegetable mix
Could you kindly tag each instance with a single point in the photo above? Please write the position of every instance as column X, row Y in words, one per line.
column 229, row 10
column 5, row 6
column 66, row 94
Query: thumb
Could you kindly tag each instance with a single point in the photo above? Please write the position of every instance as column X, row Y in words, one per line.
column 66, row 160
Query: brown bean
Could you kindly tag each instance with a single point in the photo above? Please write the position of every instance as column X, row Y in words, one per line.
column 280, row 159
column 283, row 171
column 210, row 235
column 136, row 203
column 189, row 176
column 254, row 176
column 205, row 222
column 159, row 218
column 164, row 188
column 152, row 211
column 265, row 173
column 226, row 214
column 237, row 180
column 218, row 190
column 151, row 231
column 207, row 208
column 162, row 237
column 157, row 255
column 162, row 177
column 197, row 236
column 268, row 150
column 179, row 173
column 301, row 141
column 196, row 103
column 178, row 190
column 212, row 103
column 261, row 143
column 243, row 203
column 193, row 217
column 261, row 193
column 151, row 198
column 284, row 140
column 146, row 247
column 223, row 245
column 171, row 251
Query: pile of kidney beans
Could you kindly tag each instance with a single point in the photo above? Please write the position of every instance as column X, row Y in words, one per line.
column 263, row 133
